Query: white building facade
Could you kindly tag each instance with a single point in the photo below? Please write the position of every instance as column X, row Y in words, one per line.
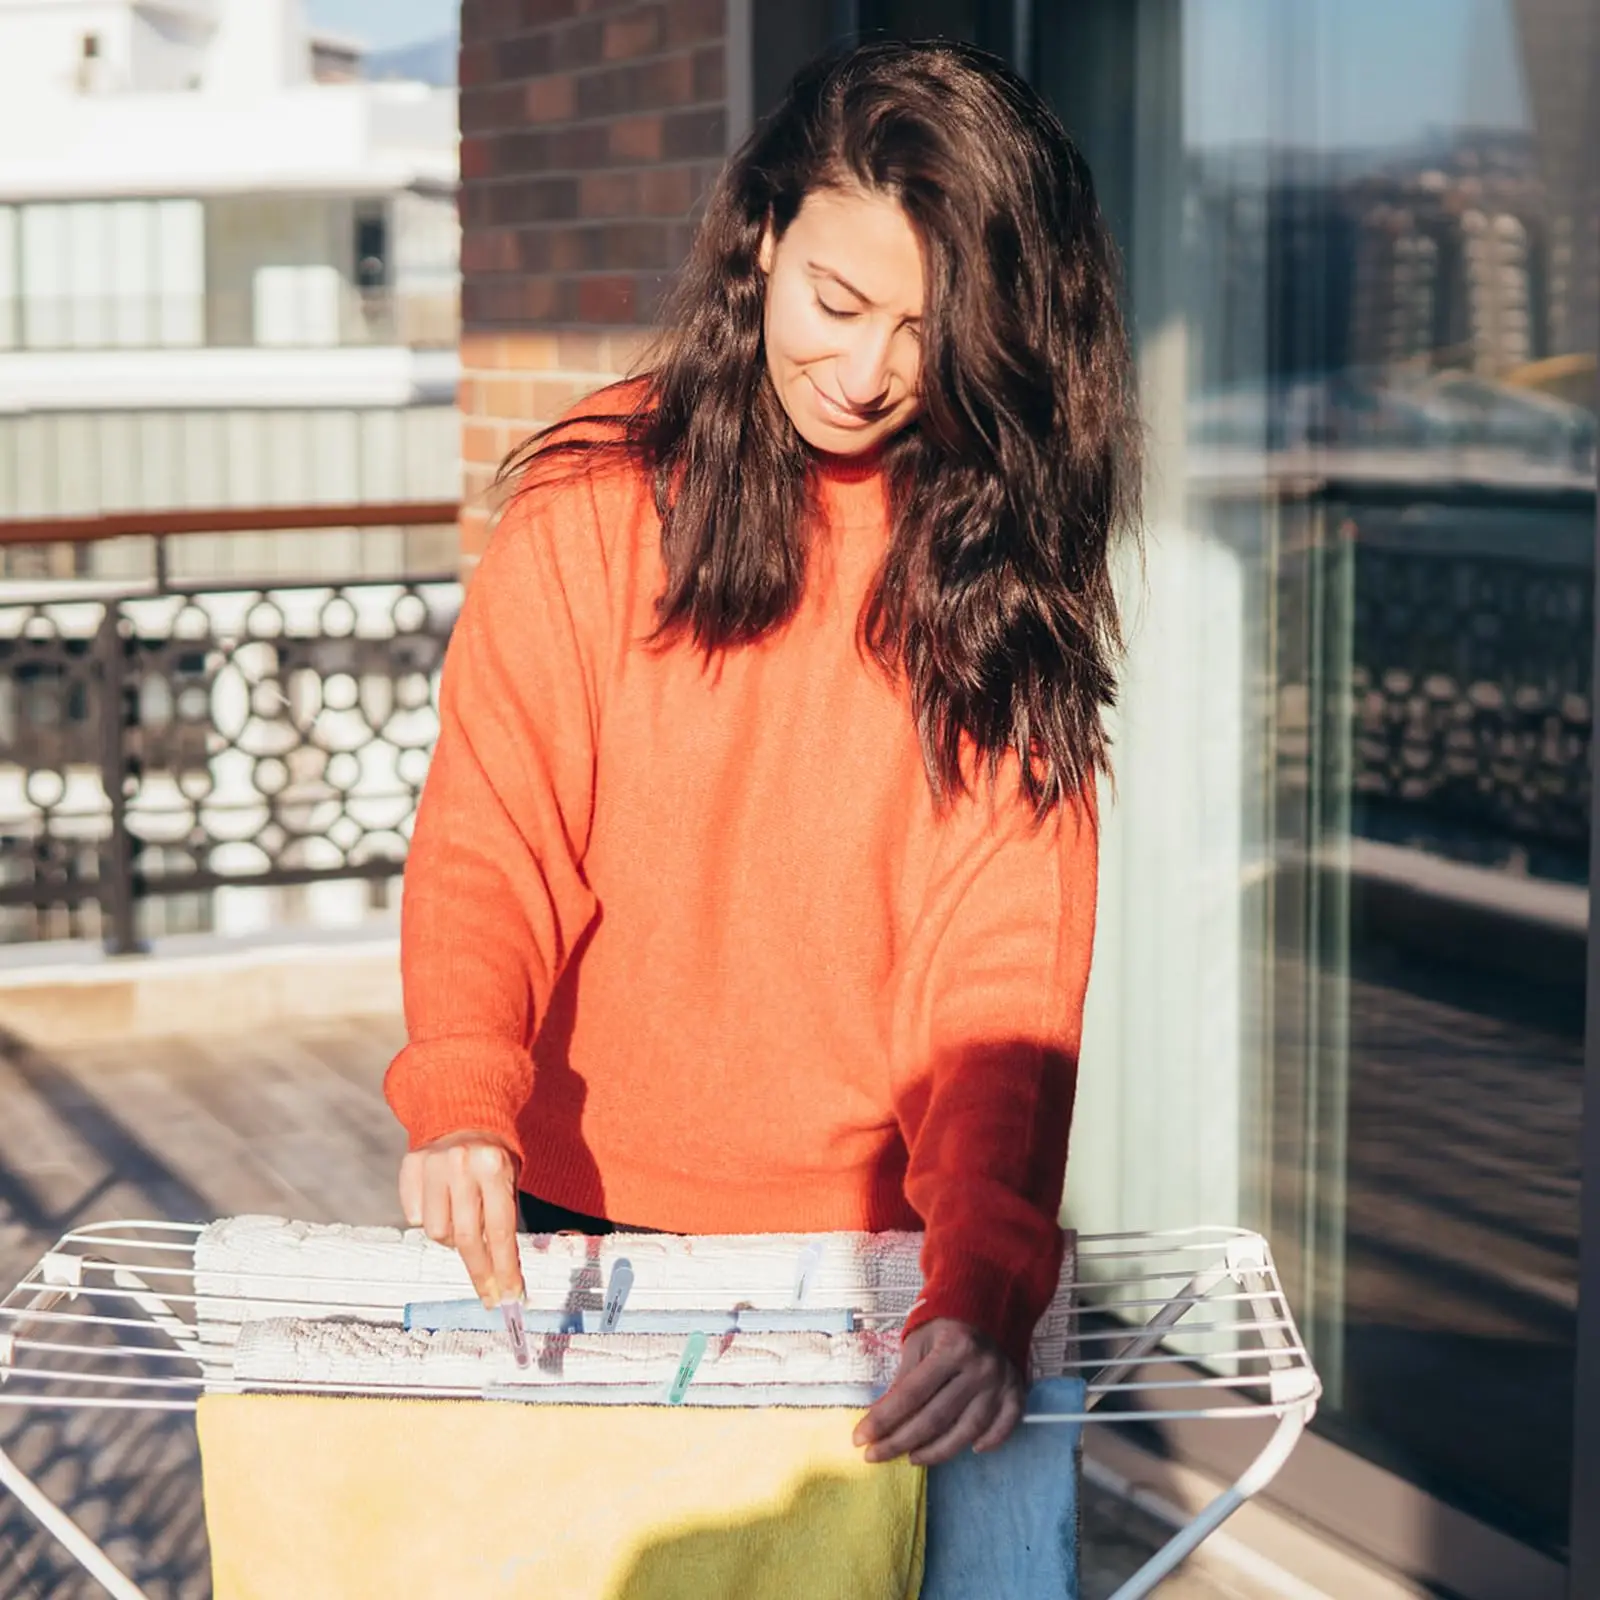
column 222, row 282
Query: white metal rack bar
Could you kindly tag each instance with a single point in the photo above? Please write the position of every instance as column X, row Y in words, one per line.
column 107, row 1319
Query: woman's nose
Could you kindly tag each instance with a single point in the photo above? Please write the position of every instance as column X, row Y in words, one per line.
column 864, row 370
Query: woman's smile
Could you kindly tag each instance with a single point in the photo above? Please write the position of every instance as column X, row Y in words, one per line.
column 836, row 415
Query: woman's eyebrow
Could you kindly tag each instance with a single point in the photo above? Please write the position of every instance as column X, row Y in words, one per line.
column 818, row 270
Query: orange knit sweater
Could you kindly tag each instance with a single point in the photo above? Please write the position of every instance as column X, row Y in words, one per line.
column 696, row 940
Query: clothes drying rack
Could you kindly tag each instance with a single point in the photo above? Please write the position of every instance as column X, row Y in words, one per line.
column 107, row 1319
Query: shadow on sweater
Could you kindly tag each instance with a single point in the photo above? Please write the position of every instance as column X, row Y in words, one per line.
column 559, row 1093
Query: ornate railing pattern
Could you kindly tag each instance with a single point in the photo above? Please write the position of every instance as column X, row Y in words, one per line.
column 1471, row 693
column 176, row 740
column 177, row 743
column 1464, row 688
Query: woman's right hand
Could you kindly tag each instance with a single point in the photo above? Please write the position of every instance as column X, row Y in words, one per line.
column 462, row 1190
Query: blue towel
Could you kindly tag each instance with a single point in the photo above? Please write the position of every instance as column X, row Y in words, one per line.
column 1005, row 1525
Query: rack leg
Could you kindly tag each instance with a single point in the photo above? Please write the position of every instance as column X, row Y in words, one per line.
column 1187, row 1540
column 67, row 1533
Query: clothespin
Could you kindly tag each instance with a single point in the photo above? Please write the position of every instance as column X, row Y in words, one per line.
column 694, row 1348
column 516, row 1331
column 810, row 1260
column 617, row 1287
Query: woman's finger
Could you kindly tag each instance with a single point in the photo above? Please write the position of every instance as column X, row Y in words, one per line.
column 500, row 1223
column 1005, row 1422
column 931, row 1421
column 907, row 1395
column 965, row 1431
column 466, row 1207
column 411, row 1188
column 436, row 1221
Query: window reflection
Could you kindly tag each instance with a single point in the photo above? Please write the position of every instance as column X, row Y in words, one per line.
column 1432, row 294
column 1350, row 853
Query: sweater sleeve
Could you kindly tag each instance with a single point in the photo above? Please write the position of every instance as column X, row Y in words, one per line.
column 495, row 895
column 988, row 1026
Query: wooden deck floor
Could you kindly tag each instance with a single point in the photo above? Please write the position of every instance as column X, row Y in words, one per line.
column 187, row 1128
column 184, row 1128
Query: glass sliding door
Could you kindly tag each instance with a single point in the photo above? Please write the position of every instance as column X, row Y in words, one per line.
column 1340, row 984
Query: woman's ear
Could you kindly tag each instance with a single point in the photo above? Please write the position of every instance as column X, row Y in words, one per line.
column 766, row 251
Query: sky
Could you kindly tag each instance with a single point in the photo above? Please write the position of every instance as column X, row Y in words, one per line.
column 383, row 24
column 1341, row 74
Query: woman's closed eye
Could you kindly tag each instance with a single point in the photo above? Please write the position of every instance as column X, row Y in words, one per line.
column 839, row 313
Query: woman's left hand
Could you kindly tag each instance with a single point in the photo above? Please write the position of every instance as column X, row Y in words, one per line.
column 954, row 1389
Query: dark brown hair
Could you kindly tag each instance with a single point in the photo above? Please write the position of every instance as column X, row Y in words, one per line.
column 995, row 601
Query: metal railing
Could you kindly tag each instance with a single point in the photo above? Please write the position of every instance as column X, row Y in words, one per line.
column 177, row 739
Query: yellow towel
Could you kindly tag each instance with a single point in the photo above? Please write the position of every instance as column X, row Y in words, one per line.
column 321, row 1498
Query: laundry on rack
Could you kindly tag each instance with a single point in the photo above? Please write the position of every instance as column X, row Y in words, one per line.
column 251, row 1267
column 717, row 1463
column 341, row 1354
column 340, row 1499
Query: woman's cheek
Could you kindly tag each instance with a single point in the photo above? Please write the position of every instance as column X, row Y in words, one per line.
column 801, row 327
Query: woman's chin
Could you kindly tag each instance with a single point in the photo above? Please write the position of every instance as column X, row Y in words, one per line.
column 851, row 453
column 845, row 443
column 841, row 444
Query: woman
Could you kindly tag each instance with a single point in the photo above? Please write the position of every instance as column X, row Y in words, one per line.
column 753, row 885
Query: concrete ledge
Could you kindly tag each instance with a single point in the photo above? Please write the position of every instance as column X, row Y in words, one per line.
column 70, row 995
column 1263, row 1551
column 1466, row 915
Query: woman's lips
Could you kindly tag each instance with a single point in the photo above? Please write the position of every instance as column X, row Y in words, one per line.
column 837, row 414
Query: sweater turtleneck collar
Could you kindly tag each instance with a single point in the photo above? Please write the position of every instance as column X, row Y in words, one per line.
column 852, row 492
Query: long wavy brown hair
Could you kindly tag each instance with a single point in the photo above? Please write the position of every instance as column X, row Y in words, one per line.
column 995, row 601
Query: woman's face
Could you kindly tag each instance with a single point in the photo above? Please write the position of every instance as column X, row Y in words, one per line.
column 843, row 315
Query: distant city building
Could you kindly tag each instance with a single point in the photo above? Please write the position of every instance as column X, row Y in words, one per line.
column 1321, row 263
column 1388, row 318
column 1449, row 261
column 1395, row 314
column 1560, row 42
column 1497, row 282
column 228, row 270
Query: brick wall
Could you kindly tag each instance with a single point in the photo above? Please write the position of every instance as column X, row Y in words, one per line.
column 590, row 132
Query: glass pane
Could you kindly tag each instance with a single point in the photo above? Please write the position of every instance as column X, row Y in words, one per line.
column 1339, row 989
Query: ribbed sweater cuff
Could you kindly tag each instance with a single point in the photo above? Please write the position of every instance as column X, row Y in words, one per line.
column 1000, row 1301
column 441, row 1086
